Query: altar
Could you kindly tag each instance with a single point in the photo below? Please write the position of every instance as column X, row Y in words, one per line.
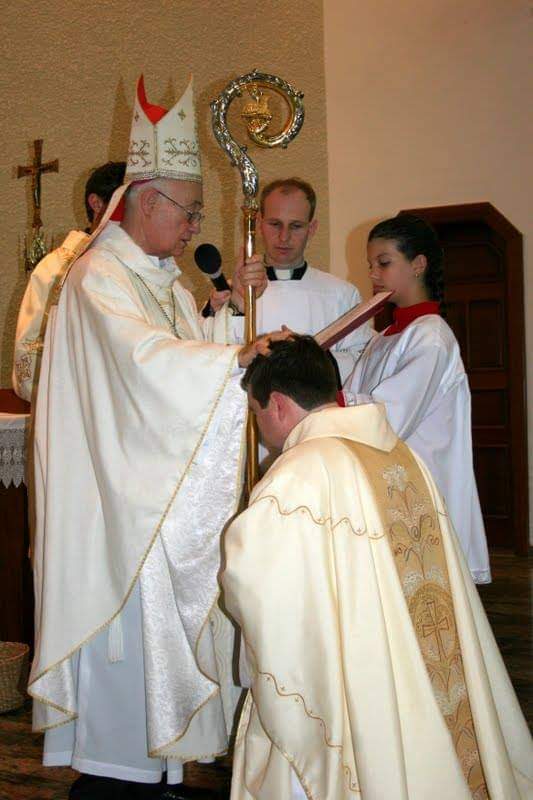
column 16, row 587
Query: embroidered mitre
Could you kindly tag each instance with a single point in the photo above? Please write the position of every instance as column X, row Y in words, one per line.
column 163, row 144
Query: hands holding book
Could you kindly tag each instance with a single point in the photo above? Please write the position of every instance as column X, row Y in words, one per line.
column 327, row 337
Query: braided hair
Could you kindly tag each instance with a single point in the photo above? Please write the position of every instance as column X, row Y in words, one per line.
column 414, row 237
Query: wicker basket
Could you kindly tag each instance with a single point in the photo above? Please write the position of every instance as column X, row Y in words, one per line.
column 13, row 675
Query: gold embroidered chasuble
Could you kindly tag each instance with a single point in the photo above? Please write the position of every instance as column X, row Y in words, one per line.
column 43, row 285
column 410, row 523
column 374, row 673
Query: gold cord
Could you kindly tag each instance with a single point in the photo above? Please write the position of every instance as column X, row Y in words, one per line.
column 171, row 322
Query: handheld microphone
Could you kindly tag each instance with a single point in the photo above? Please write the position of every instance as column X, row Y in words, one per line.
column 209, row 260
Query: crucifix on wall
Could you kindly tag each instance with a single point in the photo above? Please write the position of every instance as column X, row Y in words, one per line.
column 36, row 170
column 36, row 248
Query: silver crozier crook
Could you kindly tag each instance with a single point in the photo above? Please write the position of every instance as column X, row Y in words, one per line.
column 257, row 115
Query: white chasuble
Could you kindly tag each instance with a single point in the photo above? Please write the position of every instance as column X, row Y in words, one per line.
column 419, row 375
column 374, row 672
column 31, row 322
column 138, row 450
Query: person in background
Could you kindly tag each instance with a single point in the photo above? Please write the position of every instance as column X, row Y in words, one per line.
column 298, row 295
column 32, row 317
column 303, row 298
column 414, row 367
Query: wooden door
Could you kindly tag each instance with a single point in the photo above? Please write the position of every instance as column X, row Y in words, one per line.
column 484, row 297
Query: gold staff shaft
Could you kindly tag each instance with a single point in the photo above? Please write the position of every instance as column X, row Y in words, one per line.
column 252, row 461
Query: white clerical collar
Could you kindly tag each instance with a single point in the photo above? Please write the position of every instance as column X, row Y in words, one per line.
column 283, row 274
column 287, row 273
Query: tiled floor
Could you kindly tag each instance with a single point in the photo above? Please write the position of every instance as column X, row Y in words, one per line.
column 508, row 603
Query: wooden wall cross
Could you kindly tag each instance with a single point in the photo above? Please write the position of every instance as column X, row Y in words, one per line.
column 36, row 170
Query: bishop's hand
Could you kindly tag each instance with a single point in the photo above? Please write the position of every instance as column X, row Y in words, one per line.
column 261, row 346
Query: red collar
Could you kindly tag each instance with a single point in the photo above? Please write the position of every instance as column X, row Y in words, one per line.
column 404, row 316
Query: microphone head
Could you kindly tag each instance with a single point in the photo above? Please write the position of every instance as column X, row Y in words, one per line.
column 208, row 259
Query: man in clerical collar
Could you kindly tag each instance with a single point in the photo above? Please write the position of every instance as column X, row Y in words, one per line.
column 372, row 669
column 300, row 296
column 287, row 223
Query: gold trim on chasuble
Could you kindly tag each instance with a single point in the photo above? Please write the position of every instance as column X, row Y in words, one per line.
column 281, row 690
column 414, row 535
column 34, row 347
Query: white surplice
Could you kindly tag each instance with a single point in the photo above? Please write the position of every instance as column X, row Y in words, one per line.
column 138, row 451
column 373, row 669
column 419, row 375
column 308, row 304
column 29, row 335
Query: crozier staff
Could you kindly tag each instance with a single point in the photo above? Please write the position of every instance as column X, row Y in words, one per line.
column 414, row 367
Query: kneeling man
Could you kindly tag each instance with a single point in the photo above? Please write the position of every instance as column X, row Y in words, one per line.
column 372, row 668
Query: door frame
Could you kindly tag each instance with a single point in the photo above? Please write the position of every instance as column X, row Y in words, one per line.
column 516, row 347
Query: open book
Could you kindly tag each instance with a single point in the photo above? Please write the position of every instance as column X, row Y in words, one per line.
column 351, row 320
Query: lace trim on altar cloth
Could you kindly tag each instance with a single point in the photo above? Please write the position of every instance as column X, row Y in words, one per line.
column 13, row 453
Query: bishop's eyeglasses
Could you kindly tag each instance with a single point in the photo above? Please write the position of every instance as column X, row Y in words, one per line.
column 193, row 217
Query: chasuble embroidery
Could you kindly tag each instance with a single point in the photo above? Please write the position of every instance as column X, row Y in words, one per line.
column 414, row 536
column 23, row 368
column 280, row 687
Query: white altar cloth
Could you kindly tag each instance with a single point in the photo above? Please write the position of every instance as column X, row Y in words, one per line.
column 13, row 434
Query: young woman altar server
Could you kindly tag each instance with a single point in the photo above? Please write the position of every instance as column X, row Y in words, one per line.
column 414, row 367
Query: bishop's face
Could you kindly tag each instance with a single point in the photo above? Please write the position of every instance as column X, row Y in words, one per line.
column 286, row 228
column 174, row 217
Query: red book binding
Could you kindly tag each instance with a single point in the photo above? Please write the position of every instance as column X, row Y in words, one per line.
column 351, row 320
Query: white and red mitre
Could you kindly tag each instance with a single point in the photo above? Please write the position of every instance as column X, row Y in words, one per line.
column 163, row 144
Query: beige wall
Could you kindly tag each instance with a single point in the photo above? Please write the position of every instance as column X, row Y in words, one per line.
column 69, row 77
column 429, row 103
